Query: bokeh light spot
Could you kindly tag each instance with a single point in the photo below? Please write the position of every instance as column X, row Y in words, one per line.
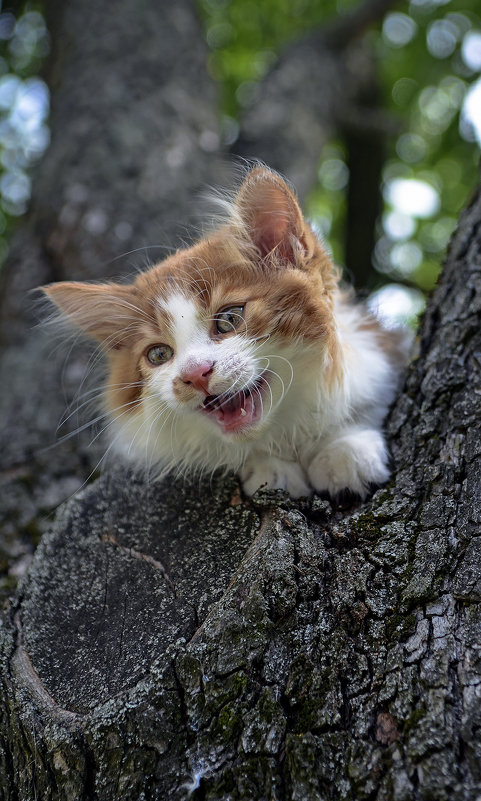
column 441, row 38
column 413, row 197
column 397, row 305
column 471, row 50
column 398, row 29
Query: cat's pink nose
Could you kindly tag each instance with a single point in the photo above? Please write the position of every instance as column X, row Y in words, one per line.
column 198, row 375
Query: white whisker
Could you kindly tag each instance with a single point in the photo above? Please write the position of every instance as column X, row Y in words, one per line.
column 95, row 394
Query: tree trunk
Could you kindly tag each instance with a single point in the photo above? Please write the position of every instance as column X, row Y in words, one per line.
column 220, row 649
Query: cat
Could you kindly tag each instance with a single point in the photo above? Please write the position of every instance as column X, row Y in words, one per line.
column 242, row 352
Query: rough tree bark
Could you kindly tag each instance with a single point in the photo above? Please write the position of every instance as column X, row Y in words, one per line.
column 175, row 642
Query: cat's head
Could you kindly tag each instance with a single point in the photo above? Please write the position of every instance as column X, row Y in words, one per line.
column 221, row 340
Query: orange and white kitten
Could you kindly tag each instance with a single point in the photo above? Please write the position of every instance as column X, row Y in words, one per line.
column 242, row 353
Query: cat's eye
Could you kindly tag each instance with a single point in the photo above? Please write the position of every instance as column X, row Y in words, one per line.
column 229, row 319
column 158, row 354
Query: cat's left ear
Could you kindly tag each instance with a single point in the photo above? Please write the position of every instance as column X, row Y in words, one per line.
column 272, row 217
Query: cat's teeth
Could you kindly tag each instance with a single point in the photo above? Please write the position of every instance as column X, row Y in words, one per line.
column 243, row 412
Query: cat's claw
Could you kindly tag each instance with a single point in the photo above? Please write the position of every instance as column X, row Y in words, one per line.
column 272, row 473
column 352, row 461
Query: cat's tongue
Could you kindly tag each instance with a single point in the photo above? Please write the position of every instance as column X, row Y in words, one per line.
column 235, row 412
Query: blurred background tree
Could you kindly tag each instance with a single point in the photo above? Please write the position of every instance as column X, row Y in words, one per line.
column 389, row 182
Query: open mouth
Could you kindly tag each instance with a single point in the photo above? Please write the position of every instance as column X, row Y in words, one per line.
column 237, row 410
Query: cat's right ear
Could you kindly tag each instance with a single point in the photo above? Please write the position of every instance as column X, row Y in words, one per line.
column 104, row 312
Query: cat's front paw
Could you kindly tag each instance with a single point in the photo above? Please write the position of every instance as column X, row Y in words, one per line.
column 270, row 472
column 353, row 461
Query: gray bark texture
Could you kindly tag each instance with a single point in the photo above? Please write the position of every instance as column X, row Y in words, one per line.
column 173, row 640
column 176, row 641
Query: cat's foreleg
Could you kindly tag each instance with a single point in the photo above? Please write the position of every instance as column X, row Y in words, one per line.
column 354, row 458
column 270, row 472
